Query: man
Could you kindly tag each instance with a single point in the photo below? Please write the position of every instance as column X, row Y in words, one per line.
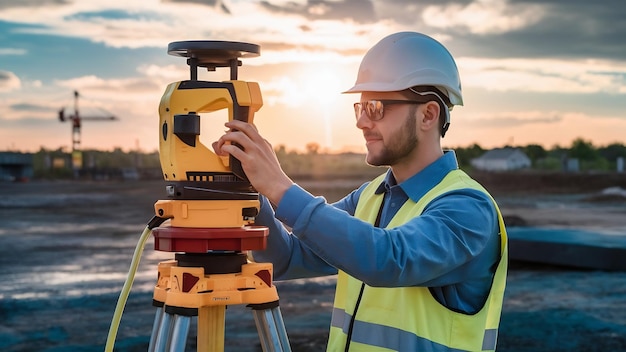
column 420, row 251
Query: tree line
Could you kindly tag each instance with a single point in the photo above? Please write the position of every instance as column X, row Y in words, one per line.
column 314, row 163
column 590, row 157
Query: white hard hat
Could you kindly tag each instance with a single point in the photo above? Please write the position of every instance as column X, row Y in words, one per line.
column 408, row 59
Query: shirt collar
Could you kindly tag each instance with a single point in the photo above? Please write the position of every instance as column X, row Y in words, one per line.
column 417, row 185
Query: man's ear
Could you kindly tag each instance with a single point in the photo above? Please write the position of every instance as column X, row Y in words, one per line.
column 430, row 115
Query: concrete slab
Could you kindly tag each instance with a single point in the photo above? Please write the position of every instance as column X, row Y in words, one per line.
column 568, row 247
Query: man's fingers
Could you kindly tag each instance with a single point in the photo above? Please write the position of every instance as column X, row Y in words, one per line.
column 237, row 143
column 244, row 143
column 217, row 147
column 248, row 129
column 233, row 150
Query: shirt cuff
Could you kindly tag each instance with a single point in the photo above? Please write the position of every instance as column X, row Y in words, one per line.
column 292, row 203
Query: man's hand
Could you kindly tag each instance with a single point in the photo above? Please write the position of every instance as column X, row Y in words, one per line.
column 257, row 158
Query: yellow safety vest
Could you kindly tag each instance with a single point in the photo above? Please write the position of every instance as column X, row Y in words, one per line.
column 409, row 318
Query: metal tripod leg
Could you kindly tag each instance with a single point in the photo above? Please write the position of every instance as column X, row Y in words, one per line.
column 180, row 331
column 271, row 329
column 156, row 326
column 169, row 332
column 162, row 337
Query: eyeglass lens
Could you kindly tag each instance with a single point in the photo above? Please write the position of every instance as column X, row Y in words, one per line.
column 373, row 109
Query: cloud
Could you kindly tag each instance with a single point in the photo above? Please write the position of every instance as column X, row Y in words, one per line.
column 115, row 14
column 18, row 109
column 516, row 119
column 120, row 24
column 357, row 10
column 27, row 121
column 9, row 81
column 491, row 28
column 218, row 4
column 165, row 73
column 98, row 86
column 484, row 16
column 30, row 107
column 6, row 4
column 544, row 75
column 573, row 29
column 12, row 51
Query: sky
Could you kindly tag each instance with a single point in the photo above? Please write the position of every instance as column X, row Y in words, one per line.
column 533, row 71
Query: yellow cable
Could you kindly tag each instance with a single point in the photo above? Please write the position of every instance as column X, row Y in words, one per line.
column 121, row 301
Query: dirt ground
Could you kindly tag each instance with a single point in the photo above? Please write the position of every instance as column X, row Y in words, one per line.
column 65, row 249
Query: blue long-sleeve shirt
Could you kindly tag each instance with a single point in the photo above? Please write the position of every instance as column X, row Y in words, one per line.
column 452, row 247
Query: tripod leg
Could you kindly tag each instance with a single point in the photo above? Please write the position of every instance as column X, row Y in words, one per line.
column 211, row 326
column 158, row 317
column 179, row 333
column 163, row 335
column 271, row 329
column 280, row 328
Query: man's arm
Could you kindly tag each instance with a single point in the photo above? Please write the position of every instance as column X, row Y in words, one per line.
column 434, row 249
column 290, row 257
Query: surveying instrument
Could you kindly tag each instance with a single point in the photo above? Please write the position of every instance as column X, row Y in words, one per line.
column 207, row 219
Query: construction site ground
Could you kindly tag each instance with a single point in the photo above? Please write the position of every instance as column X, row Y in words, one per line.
column 66, row 246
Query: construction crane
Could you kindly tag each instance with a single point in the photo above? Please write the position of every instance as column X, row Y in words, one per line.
column 77, row 119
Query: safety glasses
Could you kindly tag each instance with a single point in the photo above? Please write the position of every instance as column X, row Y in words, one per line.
column 375, row 109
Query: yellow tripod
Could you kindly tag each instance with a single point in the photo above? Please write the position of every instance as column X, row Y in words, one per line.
column 211, row 271
column 211, row 210
column 202, row 285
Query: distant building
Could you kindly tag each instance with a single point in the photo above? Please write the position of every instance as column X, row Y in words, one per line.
column 572, row 165
column 502, row 159
column 16, row 166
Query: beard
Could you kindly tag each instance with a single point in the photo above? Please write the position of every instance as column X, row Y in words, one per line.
column 399, row 145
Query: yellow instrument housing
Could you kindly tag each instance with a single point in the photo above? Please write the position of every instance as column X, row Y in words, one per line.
column 205, row 213
column 180, row 161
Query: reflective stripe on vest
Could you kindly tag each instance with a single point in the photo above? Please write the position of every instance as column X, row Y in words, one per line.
column 397, row 339
column 409, row 318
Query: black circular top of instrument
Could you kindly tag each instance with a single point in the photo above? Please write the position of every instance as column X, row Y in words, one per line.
column 213, row 52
